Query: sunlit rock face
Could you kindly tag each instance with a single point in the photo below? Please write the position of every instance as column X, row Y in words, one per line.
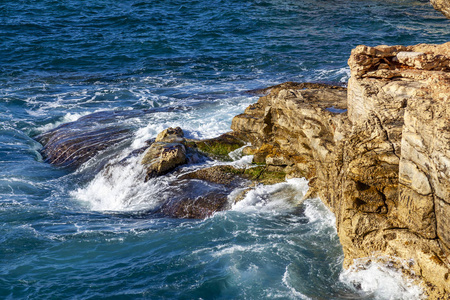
column 377, row 155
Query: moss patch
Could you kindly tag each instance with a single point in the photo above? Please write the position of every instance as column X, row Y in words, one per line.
column 229, row 175
column 262, row 175
column 219, row 147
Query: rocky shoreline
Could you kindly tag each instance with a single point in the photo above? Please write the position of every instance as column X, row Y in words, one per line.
column 377, row 153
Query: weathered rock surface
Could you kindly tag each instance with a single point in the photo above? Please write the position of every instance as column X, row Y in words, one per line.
column 74, row 143
column 166, row 153
column 443, row 6
column 294, row 129
column 208, row 190
column 378, row 156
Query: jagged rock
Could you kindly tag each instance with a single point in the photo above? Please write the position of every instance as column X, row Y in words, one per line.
column 443, row 6
column 166, row 153
column 383, row 166
column 294, row 128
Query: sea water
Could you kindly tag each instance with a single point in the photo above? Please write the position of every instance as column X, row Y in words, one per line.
column 68, row 234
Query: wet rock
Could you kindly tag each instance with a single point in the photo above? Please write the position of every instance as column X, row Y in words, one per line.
column 230, row 176
column 222, row 174
column 199, row 207
column 219, row 147
column 74, row 143
column 206, row 191
column 166, row 153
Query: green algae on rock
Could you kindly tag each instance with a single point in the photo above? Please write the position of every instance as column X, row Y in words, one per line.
column 219, row 147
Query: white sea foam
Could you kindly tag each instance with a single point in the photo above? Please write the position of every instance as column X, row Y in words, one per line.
column 121, row 187
column 69, row 117
column 318, row 213
column 274, row 198
column 366, row 277
column 343, row 74
column 209, row 121
column 231, row 250
column 380, row 281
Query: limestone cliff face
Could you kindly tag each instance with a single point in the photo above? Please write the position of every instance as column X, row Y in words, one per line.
column 443, row 6
column 378, row 155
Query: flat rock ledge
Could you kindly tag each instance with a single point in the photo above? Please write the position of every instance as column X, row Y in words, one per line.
column 377, row 154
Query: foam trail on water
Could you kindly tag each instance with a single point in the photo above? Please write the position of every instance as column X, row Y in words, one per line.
column 286, row 281
column 69, row 117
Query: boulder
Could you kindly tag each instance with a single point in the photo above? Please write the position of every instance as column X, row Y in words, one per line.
column 166, row 153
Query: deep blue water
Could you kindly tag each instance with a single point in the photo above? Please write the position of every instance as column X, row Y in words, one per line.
column 68, row 234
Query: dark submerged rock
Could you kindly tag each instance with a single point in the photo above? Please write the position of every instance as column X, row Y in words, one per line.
column 206, row 191
column 74, row 143
column 199, row 207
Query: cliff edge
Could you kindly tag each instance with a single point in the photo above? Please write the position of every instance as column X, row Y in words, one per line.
column 377, row 154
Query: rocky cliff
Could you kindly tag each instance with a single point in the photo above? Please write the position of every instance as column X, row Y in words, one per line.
column 378, row 155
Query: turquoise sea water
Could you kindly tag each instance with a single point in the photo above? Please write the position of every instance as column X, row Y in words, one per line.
column 68, row 234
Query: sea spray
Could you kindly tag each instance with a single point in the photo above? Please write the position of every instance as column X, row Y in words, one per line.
column 194, row 60
column 380, row 280
column 275, row 198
